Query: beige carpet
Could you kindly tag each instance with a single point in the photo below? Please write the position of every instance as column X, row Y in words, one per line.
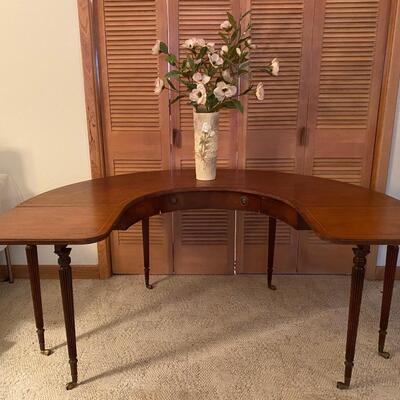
column 195, row 338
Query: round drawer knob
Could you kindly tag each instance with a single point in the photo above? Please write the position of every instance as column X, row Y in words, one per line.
column 174, row 200
column 244, row 200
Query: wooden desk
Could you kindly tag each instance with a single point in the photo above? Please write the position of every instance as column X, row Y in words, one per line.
column 87, row 212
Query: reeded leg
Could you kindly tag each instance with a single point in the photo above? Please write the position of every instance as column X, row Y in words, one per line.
column 9, row 267
column 146, row 252
column 34, row 278
column 357, row 283
column 390, row 272
column 65, row 273
column 271, row 250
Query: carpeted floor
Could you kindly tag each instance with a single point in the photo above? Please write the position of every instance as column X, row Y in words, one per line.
column 197, row 338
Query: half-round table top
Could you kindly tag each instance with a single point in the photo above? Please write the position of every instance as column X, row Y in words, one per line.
column 86, row 212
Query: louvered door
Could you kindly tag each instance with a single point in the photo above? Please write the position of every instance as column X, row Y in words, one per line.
column 136, row 121
column 204, row 240
column 349, row 42
column 272, row 128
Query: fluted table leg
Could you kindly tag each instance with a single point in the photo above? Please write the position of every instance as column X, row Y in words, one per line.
column 390, row 273
column 357, row 283
column 271, row 250
column 34, row 279
column 65, row 274
column 146, row 252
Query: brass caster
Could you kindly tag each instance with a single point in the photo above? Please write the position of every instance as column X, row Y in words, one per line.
column 384, row 354
column 71, row 385
column 342, row 385
column 272, row 287
column 149, row 286
column 46, row 352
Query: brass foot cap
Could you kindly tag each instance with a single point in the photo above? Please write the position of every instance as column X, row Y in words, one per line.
column 149, row 286
column 342, row 385
column 384, row 354
column 46, row 352
column 71, row 385
column 272, row 287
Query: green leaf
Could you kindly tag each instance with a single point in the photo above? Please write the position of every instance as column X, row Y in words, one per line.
column 232, row 20
column 224, row 37
column 246, row 91
column 202, row 52
column 191, row 63
column 245, row 15
column 173, row 73
column 171, row 84
column 234, row 35
column 232, row 104
column 176, row 99
column 171, row 58
column 163, row 48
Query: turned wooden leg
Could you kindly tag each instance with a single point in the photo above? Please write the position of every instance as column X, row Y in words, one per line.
column 34, row 278
column 271, row 250
column 146, row 252
column 390, row 272
column 65, row 274
column 9, row 266
column 357, row 283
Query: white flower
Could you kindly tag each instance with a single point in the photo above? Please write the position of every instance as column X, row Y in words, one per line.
column 211, row 133
column 226, row 75
column 260, row 91
column 200, row 42
column 198, row 77
column 224, row 49
column 206, row 127
column 275, row 67
column 226, row 25
column 249, row 42
column 238, row 51
column 199, row 95
column 156, row 48
column 158, row 86
column 193, row 42
column 223, row 90
column 189, row 43
column 211, row 47
column 215, row 60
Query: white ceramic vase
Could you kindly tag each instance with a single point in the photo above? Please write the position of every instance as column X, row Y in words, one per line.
column 206, row 144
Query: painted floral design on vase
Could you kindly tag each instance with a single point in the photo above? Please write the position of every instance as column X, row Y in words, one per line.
column 206, row 144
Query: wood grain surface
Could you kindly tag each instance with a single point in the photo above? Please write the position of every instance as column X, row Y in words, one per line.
column 88, row 211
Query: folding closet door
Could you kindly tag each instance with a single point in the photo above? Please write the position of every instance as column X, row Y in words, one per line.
column 348, row 51
column 203, row 239
column 272, row 129
column 136, row 122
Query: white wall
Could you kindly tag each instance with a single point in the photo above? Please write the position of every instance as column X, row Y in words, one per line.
column 393, row 184
column 43, row 137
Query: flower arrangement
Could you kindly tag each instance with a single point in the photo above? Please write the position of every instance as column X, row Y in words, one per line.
column 211, row 76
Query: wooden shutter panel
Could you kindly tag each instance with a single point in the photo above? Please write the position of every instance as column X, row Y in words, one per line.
column 202, row 233
column 136, row 121
column 271, row 128
column 349, row 44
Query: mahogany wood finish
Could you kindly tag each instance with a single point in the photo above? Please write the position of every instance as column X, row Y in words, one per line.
column 357, row 283
column 64, row 261
column 390, row 272
column 34, row 278
column 271, row 250
column 87, row 212
column 146, row 252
